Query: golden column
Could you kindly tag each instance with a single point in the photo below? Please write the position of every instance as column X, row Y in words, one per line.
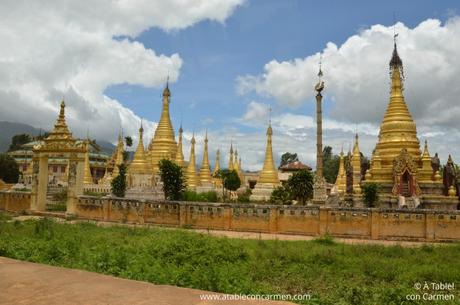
column 190, row 174
column 217, row 181
column 205, row 171
column 319, row 187
column 356, row 167
column 268, row 177
column 230, row 159
column 140, row 165
column 341, row 181
column 119, row 156
column 180, row 154
column 163, row 144
column 87, row 178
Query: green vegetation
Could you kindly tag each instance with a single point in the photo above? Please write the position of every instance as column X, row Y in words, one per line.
column 245, row 197
column 119, row 182
column 173, row 179
column 230, row 179
column 210, row 196
column 59, row 207
column 298, row 187
column 18, row 140
column 287, row 158
column 370, row 194
column 280, row 195
column 9, row 169
column 333, row 273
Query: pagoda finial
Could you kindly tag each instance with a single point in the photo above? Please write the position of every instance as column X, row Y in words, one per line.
column 166, row 91
column 320, row 85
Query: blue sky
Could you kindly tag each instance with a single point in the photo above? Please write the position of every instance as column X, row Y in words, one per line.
column 229, row 61
column 215, row 54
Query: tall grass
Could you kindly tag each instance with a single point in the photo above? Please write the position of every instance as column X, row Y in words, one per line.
column 333, row 273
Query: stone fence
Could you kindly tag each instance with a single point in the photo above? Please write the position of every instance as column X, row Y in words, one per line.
column 391, row 224
column 423, row 225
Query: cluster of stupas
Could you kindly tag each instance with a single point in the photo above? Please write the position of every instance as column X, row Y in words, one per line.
column 406, row 176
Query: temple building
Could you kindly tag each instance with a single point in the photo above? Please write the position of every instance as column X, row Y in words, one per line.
column 404, row 174
column 163, row 144
column 268, row 178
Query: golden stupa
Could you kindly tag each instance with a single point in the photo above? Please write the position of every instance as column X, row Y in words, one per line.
column 140, row 164
column 179, row 154
column 205, row 171
column 217, row 181
column 268, row 177
column 397, row 164
column 87, row 178
column 341, row 181
column 191, row 178
column 118, row 156
column 163, row 144
column 60, row 137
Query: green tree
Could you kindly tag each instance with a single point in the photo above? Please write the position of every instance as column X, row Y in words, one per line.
column 129, row 141
column 330, row 165
column 300, row 186
column 231, row 180
column 119, row 182
column 287, row 158
column 370, row 194
column 18, row 140
column 9, row 169
column 173, row 179
column 281, row 195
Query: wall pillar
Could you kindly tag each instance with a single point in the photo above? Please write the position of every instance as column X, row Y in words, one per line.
column 375, row 224
column 75, row 183
column 273, row 220
column 39, row 182
column 323, row 220
column 430, row 226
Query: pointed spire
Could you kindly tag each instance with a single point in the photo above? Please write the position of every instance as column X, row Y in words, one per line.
column 140, row 165
column 341, row 181
column 163, row 144
column 119, row 155
column 217, row 164
column 87, row 178
column 269, row 174
column 231, row 166
column 205, row 170
column 190, row 174
column 180, row 155
column 60, row 136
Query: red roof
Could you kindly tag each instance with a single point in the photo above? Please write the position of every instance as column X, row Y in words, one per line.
column 294, row 166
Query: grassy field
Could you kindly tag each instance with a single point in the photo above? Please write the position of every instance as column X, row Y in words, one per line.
column 333, row 273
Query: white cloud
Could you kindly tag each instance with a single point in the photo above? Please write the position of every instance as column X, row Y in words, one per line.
column 356, row 74
column 76, row 49
column 256, row 113
column 357, row 87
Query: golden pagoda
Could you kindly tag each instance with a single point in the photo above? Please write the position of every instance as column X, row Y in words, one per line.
column 60, row 137
column 217, row 181
column 140, row 165
column 180, row 155
column 268, row 177
column 231, row 157
column 87, row 178
column 118, row 156
column 191, row 178
column 236, row 166
column 205, row 171
column 356, row 167
column 163, row 144
column 397, row 164
column 341, row 181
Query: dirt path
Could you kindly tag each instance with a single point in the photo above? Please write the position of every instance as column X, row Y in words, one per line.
column 28, row 283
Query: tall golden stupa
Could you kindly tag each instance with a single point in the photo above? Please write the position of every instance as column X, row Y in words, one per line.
column 163, row 144
column 268, row 177
column 397, row 164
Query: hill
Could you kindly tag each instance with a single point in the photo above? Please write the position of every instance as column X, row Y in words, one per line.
column 9, row 129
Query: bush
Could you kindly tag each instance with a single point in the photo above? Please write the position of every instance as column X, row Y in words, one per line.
column 245, row 197
column 370, row 194
column 9, row 169
column 173, row 179
column 119, row 182
column 189, row 195
column 280, row 195
column 300, row 186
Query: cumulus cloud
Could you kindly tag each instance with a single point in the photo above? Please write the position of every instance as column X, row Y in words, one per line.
column 55, row 49
column 356, row 74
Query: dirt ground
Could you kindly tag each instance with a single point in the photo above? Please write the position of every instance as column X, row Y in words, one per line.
column 28, row 283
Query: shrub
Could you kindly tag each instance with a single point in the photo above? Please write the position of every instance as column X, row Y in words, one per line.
column 300, row 186
column 280, row 195
column 173, row 179
column 119, row 182
column 370, row 194
column 245, row 197
column 189, row 195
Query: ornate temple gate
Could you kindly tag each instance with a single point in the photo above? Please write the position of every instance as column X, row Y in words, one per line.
column 405, row 175
column 60, row 143
column 76, row 158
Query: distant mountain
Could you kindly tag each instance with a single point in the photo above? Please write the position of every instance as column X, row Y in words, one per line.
column 9, row 129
